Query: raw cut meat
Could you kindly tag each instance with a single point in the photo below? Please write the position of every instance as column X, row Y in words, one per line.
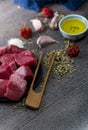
column 16, row 70
column 13, row 49
column 25, row 72
column 13, row 66
column 6, row 58
column 10, row 49
column 3, row 50
column 16, row 88
column 3, row 85
column 26, row 58
column 5, row 71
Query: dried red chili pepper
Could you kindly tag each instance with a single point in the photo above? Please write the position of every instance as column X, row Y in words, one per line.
column 25, row 32
column 47, row 12
column 73, row 51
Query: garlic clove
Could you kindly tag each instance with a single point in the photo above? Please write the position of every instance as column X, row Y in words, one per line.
column 38, row 25
column 54, row 22
column 45, row 40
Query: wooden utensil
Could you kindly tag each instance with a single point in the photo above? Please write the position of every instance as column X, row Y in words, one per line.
column 33, row 99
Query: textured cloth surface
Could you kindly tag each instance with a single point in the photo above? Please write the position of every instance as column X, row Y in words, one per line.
column 65, row 101
column 32, row 4
column 37, row 4
column 72, row 4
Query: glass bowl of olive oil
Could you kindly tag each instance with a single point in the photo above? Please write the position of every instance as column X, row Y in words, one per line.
column 73, row 26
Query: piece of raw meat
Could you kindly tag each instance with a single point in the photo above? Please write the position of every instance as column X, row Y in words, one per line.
column 14, row 49
column 3, row 50
column 16, row 88
column 25, row 72
column 26, row 58
column 13, row 66
column 6, row 58
column 3, row 85
column 5, row 71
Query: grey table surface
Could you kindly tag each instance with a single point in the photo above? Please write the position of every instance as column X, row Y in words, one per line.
column 65, row 104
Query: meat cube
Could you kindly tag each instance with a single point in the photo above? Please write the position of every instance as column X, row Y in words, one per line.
column 26, row 58
column 3, row 50
column 3, row 85
column 6, row 58
column 15, row 88
column 5, row 71
column 25, row 72
column 14, row 49
column 27, row 53
column 13, row 66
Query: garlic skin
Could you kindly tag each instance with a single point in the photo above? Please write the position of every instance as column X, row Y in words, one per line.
column 38, row 25
column 54, row 22
column 45, row 40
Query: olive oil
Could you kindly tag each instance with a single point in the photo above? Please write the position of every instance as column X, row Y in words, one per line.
column 73, row 26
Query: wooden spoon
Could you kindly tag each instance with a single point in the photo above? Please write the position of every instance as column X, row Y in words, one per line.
column 33, row 99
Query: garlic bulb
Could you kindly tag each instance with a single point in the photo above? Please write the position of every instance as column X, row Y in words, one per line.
column 45, row 40
column 38, row 25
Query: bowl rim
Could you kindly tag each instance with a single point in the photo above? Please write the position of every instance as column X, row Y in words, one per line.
column 80, row 17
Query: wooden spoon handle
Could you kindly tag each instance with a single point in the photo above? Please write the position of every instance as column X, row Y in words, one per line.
column 29, row 98
column 34, row 99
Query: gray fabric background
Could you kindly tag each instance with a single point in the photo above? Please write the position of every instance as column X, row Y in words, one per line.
column 65, row 104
